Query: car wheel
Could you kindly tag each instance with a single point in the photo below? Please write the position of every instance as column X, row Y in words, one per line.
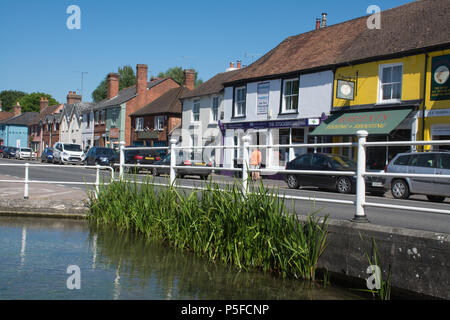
column 400, row 189
column 292, row 182
column 343, row 185
column 436, row 198
column 155, row 172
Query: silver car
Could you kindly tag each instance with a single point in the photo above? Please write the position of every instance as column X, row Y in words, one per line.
column 433, row 162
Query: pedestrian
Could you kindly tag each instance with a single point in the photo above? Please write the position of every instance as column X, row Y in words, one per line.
column 255, row 162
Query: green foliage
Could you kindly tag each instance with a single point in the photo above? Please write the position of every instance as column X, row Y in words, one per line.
column 253, row 231
column 9, row 98
column 177, row 74
column 127, row 78
column 31, row 102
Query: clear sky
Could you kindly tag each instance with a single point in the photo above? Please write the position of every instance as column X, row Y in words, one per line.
column 39, row 53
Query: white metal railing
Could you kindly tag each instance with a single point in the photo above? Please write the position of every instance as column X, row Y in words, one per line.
column 26, row 181
column 360, row 203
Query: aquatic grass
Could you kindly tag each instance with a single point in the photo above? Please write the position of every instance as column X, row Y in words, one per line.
column 250, row 231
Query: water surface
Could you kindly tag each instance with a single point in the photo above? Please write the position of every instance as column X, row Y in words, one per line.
column 36, row 252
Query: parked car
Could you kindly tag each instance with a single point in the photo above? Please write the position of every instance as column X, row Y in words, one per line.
column 190, row 170
column 328, row 162
column 24, row 153
column 47, row 155
column 434, row 162
column 67, row 153
column 9, row 152
column 139, row 157
column 101, row 156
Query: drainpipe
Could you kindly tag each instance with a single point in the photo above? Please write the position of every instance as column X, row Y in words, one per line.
column 424, row 99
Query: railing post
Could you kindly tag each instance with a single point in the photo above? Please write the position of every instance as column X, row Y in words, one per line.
column 121, row 158
column 97, row 180
column 25, row 192
column 245, row 162
column 360, row 215
column 173, row 161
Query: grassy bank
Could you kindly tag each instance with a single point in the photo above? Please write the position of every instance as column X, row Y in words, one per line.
column 252, row 232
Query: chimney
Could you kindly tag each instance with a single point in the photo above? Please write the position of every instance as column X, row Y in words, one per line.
column 43, row 104
column 141, row 78
column 189, row 79
column 113, row 85
column 17, row 109
column 324, row 20
column 317, row 23
column 73, row 97
column 231, row 65
column 239, row 64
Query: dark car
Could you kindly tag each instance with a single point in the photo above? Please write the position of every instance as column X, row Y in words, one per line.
column 101, row 156
column 328, row 162
column 9, row 152
column 190, row 170
column 47, row 155
column 140, row 157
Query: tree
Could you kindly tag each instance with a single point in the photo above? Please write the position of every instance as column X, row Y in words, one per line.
column 127, row 78
column 9, row 98
column 31, row 102
column 177, row 74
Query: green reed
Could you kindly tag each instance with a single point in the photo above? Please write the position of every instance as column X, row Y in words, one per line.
column 252, row 231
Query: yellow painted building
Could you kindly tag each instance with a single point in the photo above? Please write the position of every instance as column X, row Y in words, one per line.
column 385, row 97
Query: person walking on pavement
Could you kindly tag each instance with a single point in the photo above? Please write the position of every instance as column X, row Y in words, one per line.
column 255, row 162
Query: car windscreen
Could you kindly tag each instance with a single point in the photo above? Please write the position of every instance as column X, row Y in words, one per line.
column 72, row 147
column 341, row 162
column 105, row 152
column 25, row 150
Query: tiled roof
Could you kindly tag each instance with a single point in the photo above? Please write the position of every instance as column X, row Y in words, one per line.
column 413, row 26
column 41, row 116
column 212, row 86
column 169, row 102
column 6, row 115
column 125, row 95
column 22, row 119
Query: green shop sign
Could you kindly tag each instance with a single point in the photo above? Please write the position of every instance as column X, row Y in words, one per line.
column 440, row 84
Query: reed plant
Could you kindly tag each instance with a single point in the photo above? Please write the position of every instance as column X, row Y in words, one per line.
column 252, row 231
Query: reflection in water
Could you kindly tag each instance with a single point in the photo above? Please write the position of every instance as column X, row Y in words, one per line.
column 22, row 248
column 123, row 265
column 182, row 275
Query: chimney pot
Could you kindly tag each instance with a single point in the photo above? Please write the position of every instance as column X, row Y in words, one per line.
column 231, row 65
column 239, row 64
column 43, row 104
column 324, row 20
column 317, row 23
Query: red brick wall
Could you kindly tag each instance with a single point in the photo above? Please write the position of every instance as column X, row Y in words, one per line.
column 141, row 101
column 149, row 121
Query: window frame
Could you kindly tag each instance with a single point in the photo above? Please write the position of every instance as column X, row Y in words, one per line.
column 382, row 67
column 237, row 102
column 157, row 123
column 139, row 124
column 283, row 109
column 215, row 110
column 194, row 113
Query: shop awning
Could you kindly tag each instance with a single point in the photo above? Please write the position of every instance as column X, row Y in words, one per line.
column 374, row 122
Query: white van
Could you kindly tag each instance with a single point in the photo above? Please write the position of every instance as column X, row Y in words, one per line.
column 67, row 153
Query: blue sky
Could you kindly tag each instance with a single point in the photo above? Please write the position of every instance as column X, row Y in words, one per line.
column 39, row 53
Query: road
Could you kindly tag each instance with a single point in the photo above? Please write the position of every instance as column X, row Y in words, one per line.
column 388, row 217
